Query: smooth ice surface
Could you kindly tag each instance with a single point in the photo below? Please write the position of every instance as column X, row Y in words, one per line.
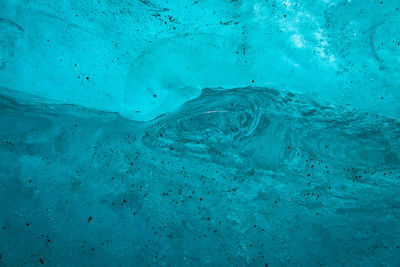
column 200, row 133
column 340, row 51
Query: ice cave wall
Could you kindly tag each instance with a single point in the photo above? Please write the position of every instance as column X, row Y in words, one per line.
column 144, row 58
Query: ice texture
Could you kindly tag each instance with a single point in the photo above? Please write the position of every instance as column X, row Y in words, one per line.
column 247, row 176
column 200, row 133
column 116, row 55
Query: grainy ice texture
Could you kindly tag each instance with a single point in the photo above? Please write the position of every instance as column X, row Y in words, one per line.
column 200, row 133
column 246, row 176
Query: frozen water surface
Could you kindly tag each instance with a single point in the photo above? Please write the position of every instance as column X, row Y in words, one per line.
column 200, row 133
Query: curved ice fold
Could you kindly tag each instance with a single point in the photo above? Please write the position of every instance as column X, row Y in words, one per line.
column 265, row 127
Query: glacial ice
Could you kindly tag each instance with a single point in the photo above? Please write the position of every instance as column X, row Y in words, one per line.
column 202, row 133
column 245, row 176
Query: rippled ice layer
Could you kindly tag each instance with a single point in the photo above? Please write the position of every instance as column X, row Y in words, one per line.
column 247, row 176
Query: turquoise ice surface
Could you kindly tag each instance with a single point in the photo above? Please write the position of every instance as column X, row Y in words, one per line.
column 200, row 133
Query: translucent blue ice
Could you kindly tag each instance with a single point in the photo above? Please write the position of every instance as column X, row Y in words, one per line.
column 201, row 133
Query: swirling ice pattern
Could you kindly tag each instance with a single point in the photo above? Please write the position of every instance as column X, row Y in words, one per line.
column 269, row 128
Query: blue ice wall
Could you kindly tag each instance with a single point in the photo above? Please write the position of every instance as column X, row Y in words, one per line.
column 116, row 55
column 201, row 133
